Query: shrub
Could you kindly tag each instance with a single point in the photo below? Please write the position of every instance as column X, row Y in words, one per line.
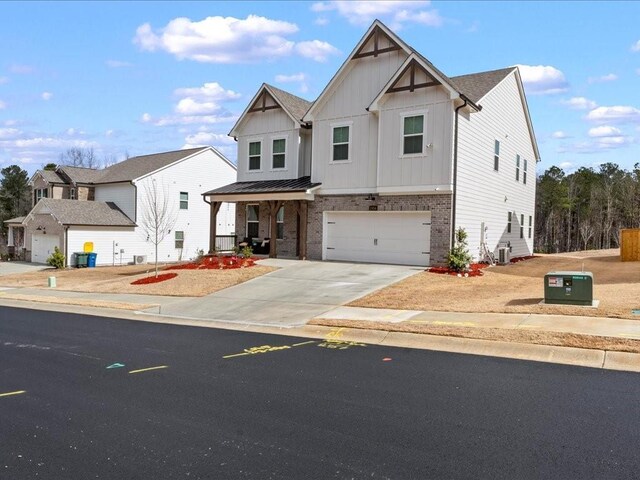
column 459, row 258
column 247, row 251
column 56, row 259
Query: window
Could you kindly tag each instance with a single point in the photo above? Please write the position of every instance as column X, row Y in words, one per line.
column 40, row 193
column 184, row 200
column 72, row 193
column 496, row 155
column 253, row 214
column 413, row 135
column 524, row 173
column 521, row 226
column 280, row 224
column 179, row 239
column 517, row 168
column 255, row 152
column 509, row 222
column 341, row 137
column 530, row 225
column 278, row 153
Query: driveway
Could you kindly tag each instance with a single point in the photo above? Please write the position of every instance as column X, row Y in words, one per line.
column 9, row 268
column 291, row 296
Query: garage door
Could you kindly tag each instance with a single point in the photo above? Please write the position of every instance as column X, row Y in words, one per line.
column 42, row 247
column 402, row 238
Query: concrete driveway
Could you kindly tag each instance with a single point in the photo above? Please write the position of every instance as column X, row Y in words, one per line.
column 291, row 296
column 8, row 268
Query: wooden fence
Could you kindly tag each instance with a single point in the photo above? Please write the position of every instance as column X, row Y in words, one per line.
column 630, row 245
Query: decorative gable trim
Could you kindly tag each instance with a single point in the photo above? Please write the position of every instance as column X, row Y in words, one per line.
column 259, row 104
column 376, row 34
column 411, row 69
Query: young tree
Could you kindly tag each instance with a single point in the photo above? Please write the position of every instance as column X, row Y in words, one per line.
column 158, row 215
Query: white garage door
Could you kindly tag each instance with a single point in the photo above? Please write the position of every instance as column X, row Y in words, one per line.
column 42, row 247
column 402, row 238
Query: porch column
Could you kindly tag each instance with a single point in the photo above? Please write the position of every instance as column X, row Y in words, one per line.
column 302, row 232
column 274, row 206
column 214, row 208
column 10, row 237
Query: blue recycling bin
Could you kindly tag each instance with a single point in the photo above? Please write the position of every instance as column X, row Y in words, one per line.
column 91, row 260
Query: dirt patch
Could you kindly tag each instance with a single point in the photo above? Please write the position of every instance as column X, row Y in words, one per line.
column 496, row 334
column 77, row 301
column 518, row 288
column 189, row 283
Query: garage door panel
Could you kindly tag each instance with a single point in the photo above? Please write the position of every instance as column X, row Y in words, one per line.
column 42, row 246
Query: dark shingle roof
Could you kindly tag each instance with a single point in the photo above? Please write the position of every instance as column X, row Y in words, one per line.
column 296, row 106
column 477, row 85
column 78, row 212
column 136, row 167
column 265, row 186
column 81, row 174
column 52, row 176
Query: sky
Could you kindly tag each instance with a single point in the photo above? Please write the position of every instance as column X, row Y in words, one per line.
column 133, row 78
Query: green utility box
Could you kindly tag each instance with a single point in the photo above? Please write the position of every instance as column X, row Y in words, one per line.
column 568, row 288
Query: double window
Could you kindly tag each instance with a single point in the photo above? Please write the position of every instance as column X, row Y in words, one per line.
column 184, row 200
column 72, row 193
column 413, row 135
column 279, row 147
column 341, row 137
column 530, row 225
column 518, row 168
column 179, row 239
column 521, row 226
column 524, row 173
column 253, row 216
column 255, row 155
column 496, row 155
column 509, row 219
column 280, row 224
column 40, row 193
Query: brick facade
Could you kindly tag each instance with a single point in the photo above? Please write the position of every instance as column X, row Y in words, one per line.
column 287, row 246
column 49, row 225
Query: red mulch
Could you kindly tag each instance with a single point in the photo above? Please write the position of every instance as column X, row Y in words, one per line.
column 475, row 270
column 160, row 278
column 520, row 259
column 216, row 263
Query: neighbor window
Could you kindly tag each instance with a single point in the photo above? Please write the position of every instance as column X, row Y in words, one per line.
column 40, row 193
column 184, row 200
column 278, row 152
column 255, row 152
column 521, row 226
column 518, row 168
column 253, row 214
column 341, row 143
column 530, row 225
column 72, row 193
column 524, row 173
column 413, row 134
column 496, row 155
column 179, row 239
column 280, row 224
column 509, row 222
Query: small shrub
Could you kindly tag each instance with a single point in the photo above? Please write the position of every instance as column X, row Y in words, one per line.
column 56, row 259
column 247, row 251
column 459, row 257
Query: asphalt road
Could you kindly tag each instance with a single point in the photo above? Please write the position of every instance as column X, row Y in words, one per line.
column 315, row 410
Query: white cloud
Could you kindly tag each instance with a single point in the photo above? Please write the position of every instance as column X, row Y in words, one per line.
column 614, row 114
column 189, row 106
column 580, row 103
column 21, row 69
column 146, row 118
column 316, row 50
column 118, row 64
column 399, row 12
column 559, row 134
column 2, row 105
column 322, row 21
column 604, row 131
column 6, row 133
column 566, row 165
column 610, row 77
column 209, row 138
column 636, row 47
column 543, row 79
column 296, row 77
column 46, row 96
column 211, row 91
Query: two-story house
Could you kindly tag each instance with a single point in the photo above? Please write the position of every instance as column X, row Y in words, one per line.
column 387, row 162
column 108, row 208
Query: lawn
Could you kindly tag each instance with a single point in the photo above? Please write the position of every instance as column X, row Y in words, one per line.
column 518, row 288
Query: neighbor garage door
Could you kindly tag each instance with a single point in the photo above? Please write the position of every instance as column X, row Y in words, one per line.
column 42, row 246
column 402, row 238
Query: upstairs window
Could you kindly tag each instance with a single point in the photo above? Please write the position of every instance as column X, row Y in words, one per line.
column 530, row 225
column 255, row 154
column 496, row 155
column 253, row 214
column 72, row 193
column 509, row 222
column 280, row 224
column 184, row 200
column 278, row 153
column 413, row 135
column 340, row 139
column 518, row 168
column 524, row 173
column 40, row 193
column 522, row 226
column 179, row 239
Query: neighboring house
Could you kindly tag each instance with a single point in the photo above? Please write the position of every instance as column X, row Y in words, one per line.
column 107, row 207
column 387, row 162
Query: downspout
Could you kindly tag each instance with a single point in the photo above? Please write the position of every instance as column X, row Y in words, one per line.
column 204, row 198
column 455, row 174
column 66, row 245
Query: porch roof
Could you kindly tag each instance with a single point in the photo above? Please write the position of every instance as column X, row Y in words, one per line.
column 15, row 221
column 289, row 189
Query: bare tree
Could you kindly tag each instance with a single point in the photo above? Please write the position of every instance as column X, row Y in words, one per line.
column 80, row 157
column 158, row 215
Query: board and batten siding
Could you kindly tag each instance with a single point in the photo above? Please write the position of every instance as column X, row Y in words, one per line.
column 266, row 127
column 122, row 194
column 484, row 195
column 425, row 172
column 347, row 103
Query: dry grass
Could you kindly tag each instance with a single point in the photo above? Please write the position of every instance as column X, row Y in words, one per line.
column 497, row 334
column 75, row 301
column 188, row 283
column 518, row 288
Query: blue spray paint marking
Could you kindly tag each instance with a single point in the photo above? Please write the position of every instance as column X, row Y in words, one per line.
column 116, row 365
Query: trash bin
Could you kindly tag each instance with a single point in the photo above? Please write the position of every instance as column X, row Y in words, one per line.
column 91, row 259
column 81, row 259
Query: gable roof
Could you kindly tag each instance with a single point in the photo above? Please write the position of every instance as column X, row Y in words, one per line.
column 79, row 174
column 477, row 85
column 49, row 176
column 77, row 212
column 15, row 221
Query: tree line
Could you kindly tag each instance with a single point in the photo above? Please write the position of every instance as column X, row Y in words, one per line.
column 585, row 209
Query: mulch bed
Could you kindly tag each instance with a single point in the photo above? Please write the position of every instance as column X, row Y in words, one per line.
column 160, row 278
column 216, row 263
column 475, row 270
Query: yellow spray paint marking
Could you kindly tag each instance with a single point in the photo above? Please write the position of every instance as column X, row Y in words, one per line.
column 266, row 349
column 9, row 394
column 340, row 344
column 149, row 369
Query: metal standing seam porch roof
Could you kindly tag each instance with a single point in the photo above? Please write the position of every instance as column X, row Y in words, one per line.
column 301, row 185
